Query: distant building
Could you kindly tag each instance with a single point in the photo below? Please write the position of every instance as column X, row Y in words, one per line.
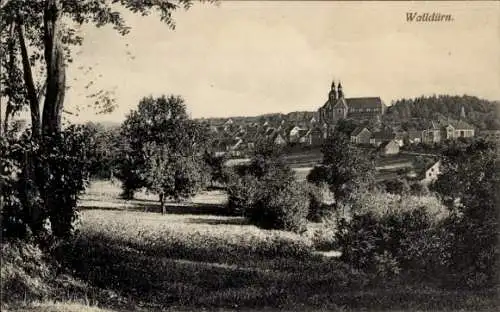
column 414, row 136
column 388, row 148
column 278, row 138
column 315, row 136
column 432, row 134
column 382, row 136
column 431, row 173
column 361, row 135
column 338, row 107
column 447, row 130
column 296, row 133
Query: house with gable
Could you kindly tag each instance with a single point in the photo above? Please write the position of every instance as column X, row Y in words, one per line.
column 382, row 136
column 278, row 138
column 432, row 134
column 361, row 135
column 388, row 148
column 430, row 173
column 295, row 133
column 457, row 129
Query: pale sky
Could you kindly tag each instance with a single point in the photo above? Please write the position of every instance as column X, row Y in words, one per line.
column 250, row 58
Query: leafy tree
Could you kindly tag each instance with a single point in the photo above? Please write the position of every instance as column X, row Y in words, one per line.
column 215, row 164
column 344, row 168
column 267, row 160
column 346, row 126
column 164, row 149
column 36, row 40
column 468, row 185
column 171, row 174
column 103, row 151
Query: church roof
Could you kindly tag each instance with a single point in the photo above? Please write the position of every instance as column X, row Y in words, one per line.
column 360, row 102
column 461, row 125
column 364, row 102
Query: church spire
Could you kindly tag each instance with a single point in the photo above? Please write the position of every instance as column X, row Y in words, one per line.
column 462, row 113
column 332, row 95
column 339, row 90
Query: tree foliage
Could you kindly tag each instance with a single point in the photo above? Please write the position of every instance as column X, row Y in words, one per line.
column 344, row 168
column 163, row 149
column 483, row 114
column 36, row 40
column 468, row 185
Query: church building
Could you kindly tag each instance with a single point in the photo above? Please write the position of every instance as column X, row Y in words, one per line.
column 339, row 107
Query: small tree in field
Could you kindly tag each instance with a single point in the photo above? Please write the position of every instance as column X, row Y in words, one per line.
column 164, row 149
column 171, row 175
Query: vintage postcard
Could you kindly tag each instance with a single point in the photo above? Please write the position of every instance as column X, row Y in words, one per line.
column 182, row 155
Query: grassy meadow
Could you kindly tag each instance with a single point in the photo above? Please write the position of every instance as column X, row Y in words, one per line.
column 126, row 256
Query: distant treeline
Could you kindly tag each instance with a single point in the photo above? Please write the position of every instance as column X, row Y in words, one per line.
column 480, row 113
column 298, row 116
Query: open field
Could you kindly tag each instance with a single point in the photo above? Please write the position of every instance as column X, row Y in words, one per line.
column 303, row 161
column 129, row 257
column 196, row 257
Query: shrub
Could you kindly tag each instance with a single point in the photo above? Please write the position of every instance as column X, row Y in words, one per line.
column 317, row 208
column 42, row 183
column 468, row 185
column 265, row 191
column 397, row 186
column 386, row 243
column 419, row 189
column 278, row 206
column 24, row 273
column 241, row 192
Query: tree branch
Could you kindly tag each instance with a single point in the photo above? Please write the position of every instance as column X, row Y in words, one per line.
column 29, row 82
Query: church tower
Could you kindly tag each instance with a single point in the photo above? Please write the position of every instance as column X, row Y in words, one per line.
column 462, row 113
column 332, row 95
column 339, row 91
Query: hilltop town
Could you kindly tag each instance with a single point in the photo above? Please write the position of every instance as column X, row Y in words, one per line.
column 370, row 123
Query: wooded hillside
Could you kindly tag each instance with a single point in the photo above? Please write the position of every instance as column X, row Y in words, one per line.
column 480, row 113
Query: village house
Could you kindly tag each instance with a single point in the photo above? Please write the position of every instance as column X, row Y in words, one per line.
column 399, row 137
column 295, row 133
column 447, row 130
column 432, row 134
column 278, row 139
column 388, row 148
column 457, row 129
column 315, row 136
column 379, row 137
column 339, row 107
column 414, row 136
column 431, row 173
column 361, row 135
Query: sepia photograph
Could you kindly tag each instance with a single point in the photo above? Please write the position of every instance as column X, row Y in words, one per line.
column 224, row 155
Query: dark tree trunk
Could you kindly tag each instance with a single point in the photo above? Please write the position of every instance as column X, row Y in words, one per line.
column 162, row 204
column 29, row 82
column 56, row 72
column 33, row 212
